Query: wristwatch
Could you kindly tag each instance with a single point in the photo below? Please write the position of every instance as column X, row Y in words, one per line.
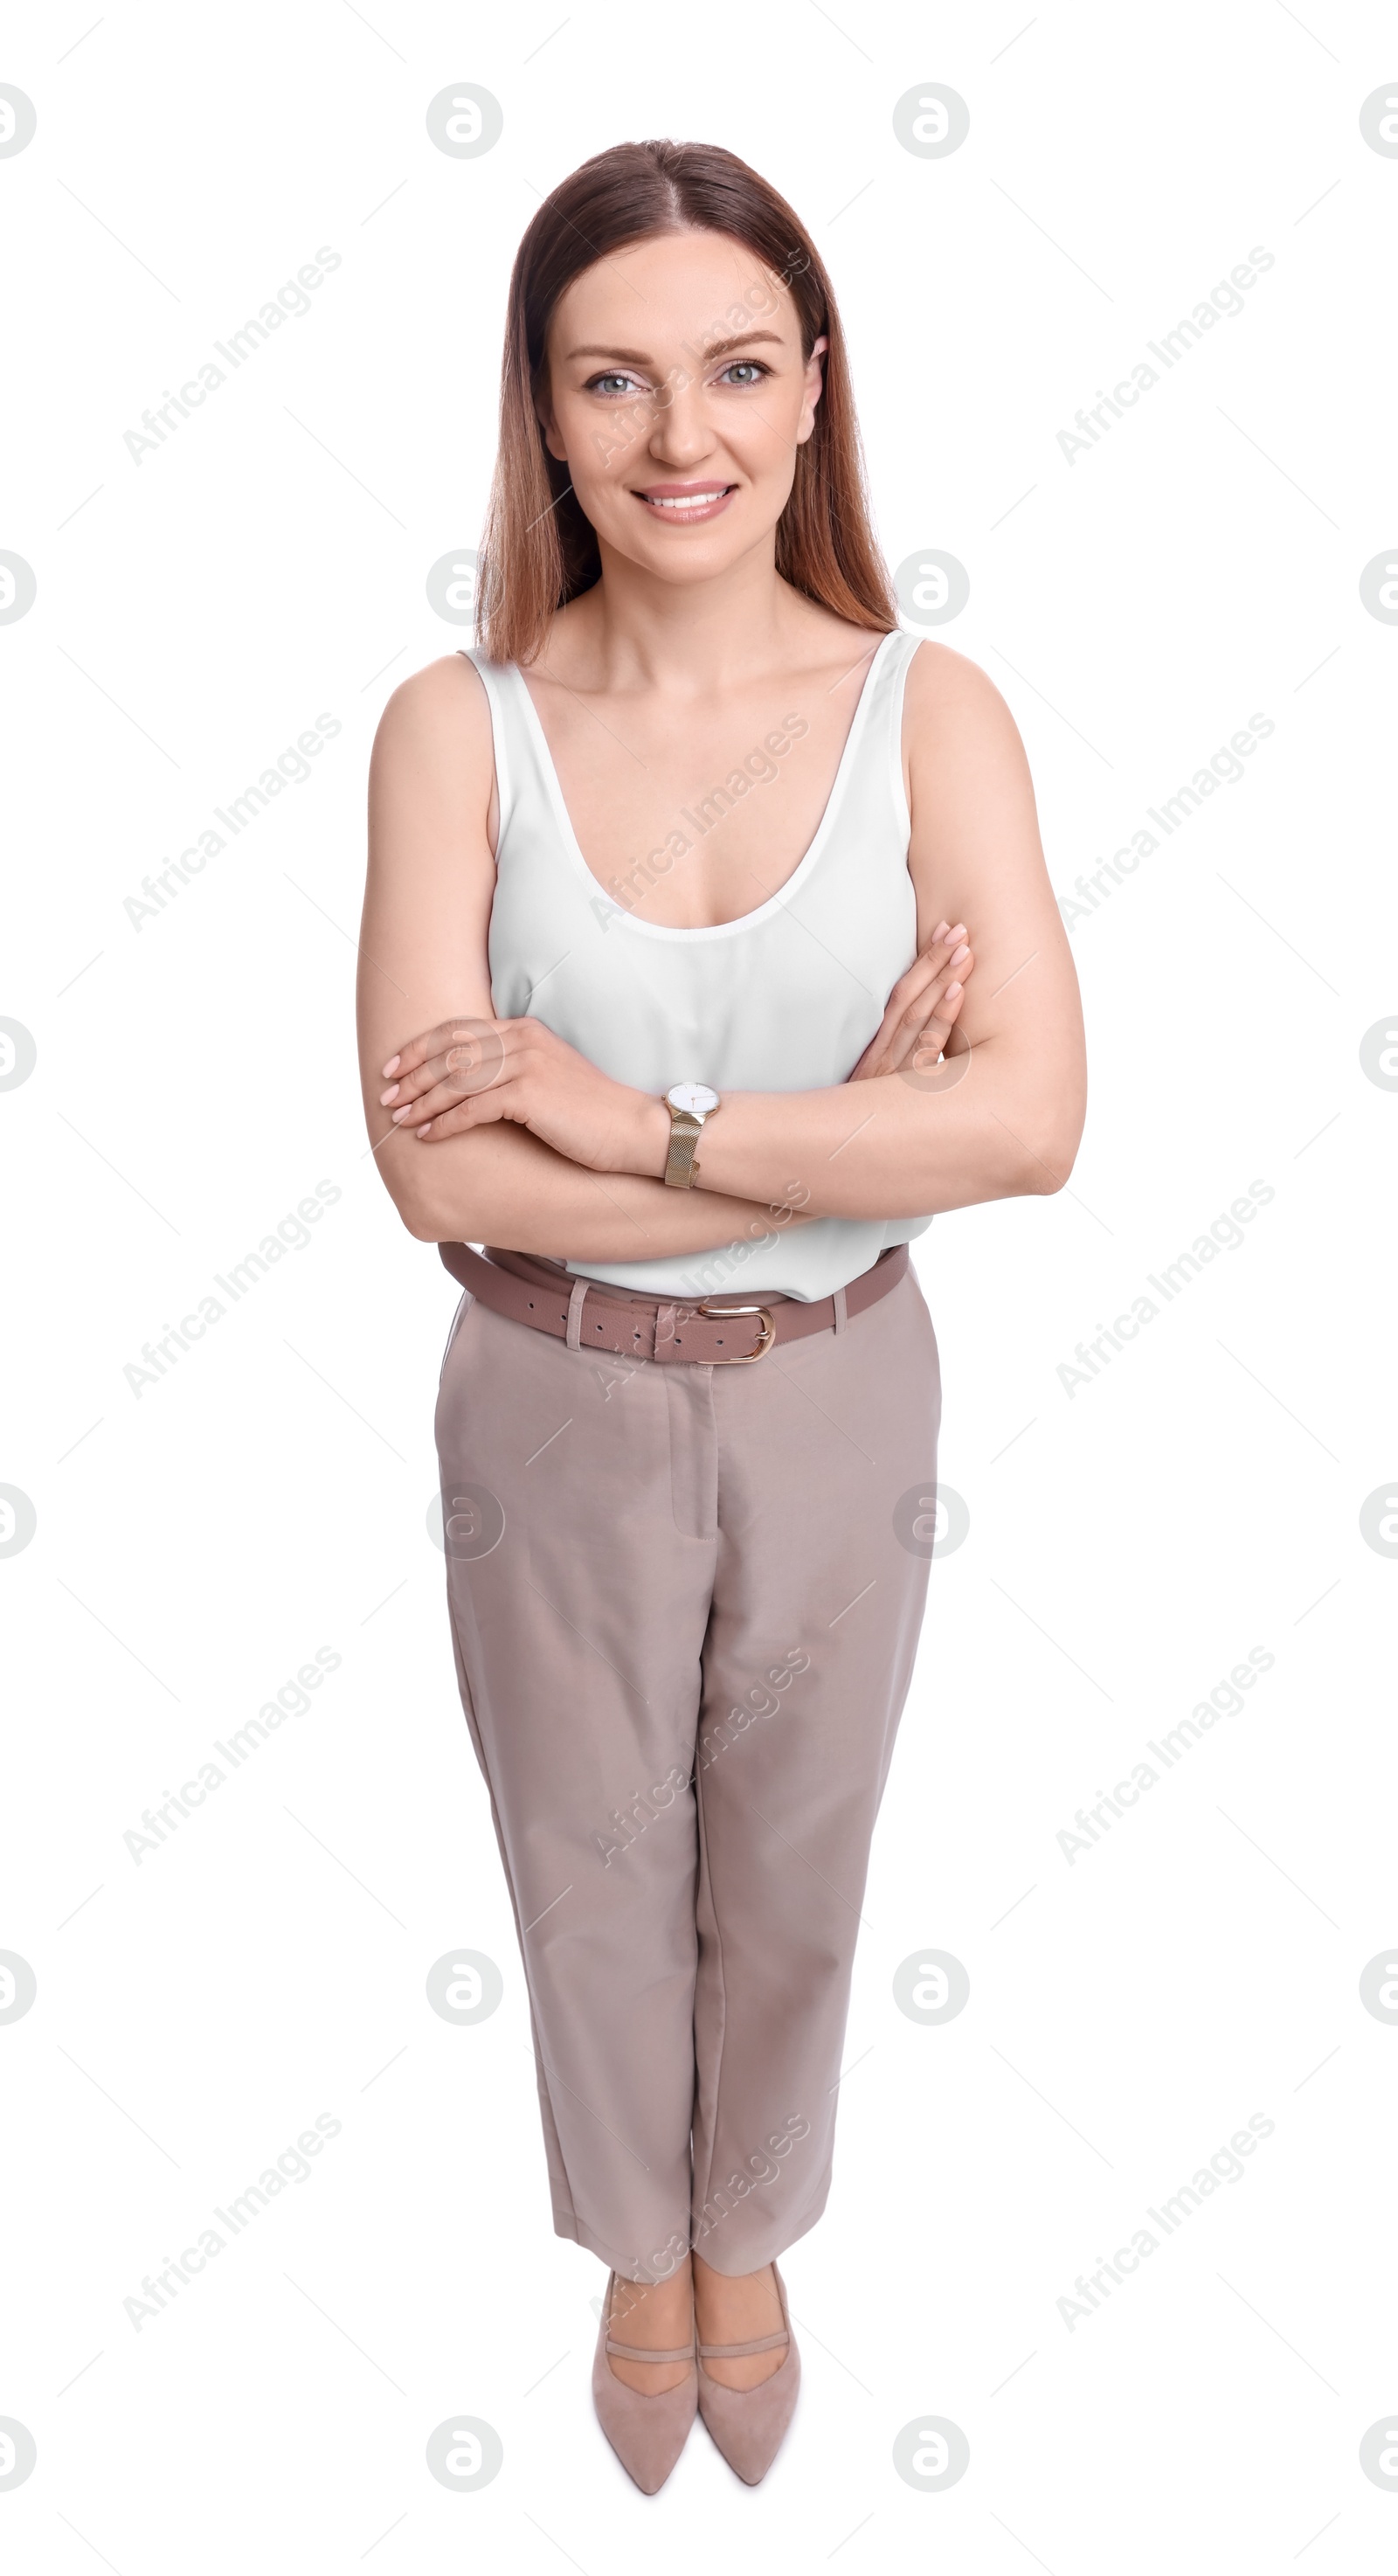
column 689, row 1104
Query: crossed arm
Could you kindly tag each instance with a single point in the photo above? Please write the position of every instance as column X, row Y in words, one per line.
column 496, row 1131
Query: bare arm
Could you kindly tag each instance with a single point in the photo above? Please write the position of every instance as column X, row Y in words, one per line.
column 423, row 958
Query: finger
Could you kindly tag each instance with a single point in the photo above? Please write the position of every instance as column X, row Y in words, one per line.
column 925, row 965
column 479, row 1055
column 930, row 1050
column 922, row 1035
column 933, row 995
column 944, row 938
column 925, row 1042
column 940, row 1026
column 915, row 992
column 460, row 1074
column 923, row 971
column 943, row 1020
column 458, row 1120
column 945, row 948
column 947, row 1006
column 431, row 1103
column 931, row 959
column 413, row 1086
column 957, row 956
column 923, row 1003
column 412, row 1053
column 471, row 1061
column 954, row 970
column 432, row 1042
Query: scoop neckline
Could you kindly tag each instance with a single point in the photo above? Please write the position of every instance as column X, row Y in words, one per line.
column 774, row 903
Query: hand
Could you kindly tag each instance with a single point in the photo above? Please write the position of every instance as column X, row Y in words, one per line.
column 468, row 1073
column 922, row 1007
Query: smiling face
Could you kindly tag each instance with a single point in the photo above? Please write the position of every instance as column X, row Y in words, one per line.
column 676, row 391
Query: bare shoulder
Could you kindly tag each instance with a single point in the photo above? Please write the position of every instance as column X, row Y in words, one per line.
column 432, row 769
column 962, row 750
column 431, row 874
column 440, row 712
column 945, row 687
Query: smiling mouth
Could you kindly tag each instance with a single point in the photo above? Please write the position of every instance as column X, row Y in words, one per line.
column 683, row 503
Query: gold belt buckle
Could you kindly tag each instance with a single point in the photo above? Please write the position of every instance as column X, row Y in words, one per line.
column 766, row 1336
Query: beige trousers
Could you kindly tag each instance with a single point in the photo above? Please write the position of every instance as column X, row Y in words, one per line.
column 685, row 1603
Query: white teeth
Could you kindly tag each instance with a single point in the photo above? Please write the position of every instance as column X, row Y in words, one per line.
column 687, row 501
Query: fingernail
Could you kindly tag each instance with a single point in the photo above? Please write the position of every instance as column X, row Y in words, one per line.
column 957, row 930
column 426, row 1130
column 391, row 1066
column 390, row 1094
column 959, row 959
column 951, row 992
column 404, row 1112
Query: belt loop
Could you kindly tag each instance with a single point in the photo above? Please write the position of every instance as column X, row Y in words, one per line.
column 575, row 1307
column 838, row 1302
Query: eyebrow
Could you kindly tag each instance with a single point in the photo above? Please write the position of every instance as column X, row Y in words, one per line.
column 716, row 349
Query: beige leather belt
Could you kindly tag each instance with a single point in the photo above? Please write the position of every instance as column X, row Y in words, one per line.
column 707, row 1334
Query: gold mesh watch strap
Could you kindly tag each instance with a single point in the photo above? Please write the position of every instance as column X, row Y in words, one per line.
column 680, row 1166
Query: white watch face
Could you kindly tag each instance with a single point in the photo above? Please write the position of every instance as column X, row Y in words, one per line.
column 696, row 1097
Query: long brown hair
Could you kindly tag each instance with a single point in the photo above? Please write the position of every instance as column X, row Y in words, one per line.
column 539, row 551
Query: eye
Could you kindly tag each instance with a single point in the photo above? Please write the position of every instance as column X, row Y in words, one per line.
column 611, row 384
column 744, row 371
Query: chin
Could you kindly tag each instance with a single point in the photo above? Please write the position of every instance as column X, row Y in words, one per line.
column 698, row 556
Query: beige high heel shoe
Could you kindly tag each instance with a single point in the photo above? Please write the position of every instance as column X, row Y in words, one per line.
column 646, row 2433
column 749, row 2424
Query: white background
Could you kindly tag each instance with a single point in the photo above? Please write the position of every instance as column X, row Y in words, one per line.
column 1129, row 1541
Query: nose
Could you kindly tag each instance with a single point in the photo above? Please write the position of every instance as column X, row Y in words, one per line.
column 679, row 433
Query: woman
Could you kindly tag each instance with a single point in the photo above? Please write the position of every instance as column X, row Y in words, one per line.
column 666, row 1001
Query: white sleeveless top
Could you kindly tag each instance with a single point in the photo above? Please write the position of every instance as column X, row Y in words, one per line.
column 784, row 999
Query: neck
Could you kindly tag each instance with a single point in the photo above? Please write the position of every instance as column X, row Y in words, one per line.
column 682, row 639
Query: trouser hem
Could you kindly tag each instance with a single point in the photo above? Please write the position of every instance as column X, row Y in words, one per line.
column 576, row 2230
column 764, row 2245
